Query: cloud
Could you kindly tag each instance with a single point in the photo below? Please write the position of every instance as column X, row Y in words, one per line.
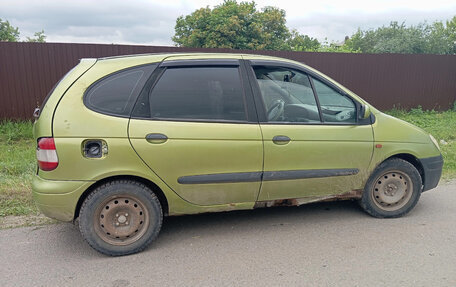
column 151, row 22
column 336, row 25
column 94, row 21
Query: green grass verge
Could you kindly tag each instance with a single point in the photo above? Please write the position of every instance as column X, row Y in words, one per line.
column 17, row 155
column 17, row 165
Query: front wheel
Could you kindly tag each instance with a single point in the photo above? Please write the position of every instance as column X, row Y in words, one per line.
column 393, row 189
column 120, row 217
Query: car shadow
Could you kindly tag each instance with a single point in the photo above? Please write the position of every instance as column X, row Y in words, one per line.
column 243, row 222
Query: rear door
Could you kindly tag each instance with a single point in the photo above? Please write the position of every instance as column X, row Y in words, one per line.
column 194, row 125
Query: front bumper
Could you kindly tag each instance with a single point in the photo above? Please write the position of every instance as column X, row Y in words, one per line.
column 432, row 167
column 58, row 199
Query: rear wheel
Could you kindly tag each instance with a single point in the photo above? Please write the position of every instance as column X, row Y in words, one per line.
column 393, row 189
column 120, row 217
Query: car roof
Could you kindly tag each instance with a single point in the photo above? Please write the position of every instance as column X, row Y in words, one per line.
column 190, row 55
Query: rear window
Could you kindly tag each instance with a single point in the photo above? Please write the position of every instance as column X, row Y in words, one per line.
column 117, row 93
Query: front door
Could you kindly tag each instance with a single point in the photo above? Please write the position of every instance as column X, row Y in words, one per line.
column 195, row 131
column 313, row 143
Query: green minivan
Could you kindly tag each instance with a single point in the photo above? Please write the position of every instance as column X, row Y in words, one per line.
column 124, row 141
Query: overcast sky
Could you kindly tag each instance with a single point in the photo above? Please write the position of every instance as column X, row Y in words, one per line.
column 152, row 22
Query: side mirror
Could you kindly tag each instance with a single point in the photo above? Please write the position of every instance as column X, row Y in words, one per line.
column 364, row 111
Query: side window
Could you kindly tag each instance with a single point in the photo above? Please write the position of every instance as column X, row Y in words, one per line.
column 287, row 95
column 117, row 93
column 335, row 107
column 206, row 93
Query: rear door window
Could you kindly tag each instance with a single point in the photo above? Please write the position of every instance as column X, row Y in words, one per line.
column 199, row 93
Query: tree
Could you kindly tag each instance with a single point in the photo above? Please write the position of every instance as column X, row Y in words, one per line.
column 451, row 33
column 395, row 38
column 438, row 40
column 300, row 42
column 398, row 38
column 39, row 37
column 233, row 25
column 7, row 32
column 241, row 25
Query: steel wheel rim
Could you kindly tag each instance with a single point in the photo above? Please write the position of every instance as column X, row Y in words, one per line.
column 392, row 190
column 121, row 220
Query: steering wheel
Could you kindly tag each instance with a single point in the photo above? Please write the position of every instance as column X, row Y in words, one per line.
column 276, row 110
column 344, row 116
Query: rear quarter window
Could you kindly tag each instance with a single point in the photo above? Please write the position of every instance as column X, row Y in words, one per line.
column 116, row 94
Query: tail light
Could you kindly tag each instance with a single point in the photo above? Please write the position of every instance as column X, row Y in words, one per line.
column 46, row 154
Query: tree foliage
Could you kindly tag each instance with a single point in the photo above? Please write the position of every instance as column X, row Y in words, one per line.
column 8, row 33
column 39, row 37
column 236, row 25
column 242, row 26
column 300, row 42
column 451, row 32
column 423, row 38
column 233, row 25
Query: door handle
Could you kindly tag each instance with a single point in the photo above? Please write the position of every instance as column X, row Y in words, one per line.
column 156, row 138
column 280, row 140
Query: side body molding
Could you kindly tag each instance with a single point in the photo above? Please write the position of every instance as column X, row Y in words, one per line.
column 265, row 176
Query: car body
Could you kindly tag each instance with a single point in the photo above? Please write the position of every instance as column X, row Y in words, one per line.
column 220, row 132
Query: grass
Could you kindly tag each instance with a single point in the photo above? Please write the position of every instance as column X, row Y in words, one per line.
column 17, row 165
column 17, row 155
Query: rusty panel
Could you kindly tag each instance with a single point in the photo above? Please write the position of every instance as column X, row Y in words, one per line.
column 29, row 70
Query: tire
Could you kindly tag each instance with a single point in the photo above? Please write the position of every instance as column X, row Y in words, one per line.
column 392, row 190
column 120, row 217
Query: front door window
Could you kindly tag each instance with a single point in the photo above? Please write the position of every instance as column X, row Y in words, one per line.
column 335, row 107
column 287, row 95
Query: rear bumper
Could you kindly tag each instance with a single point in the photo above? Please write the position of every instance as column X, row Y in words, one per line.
column 58, row 199
column 432, row 167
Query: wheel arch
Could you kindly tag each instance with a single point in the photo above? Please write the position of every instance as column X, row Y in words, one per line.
column 412, row 160
column 157, row 190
